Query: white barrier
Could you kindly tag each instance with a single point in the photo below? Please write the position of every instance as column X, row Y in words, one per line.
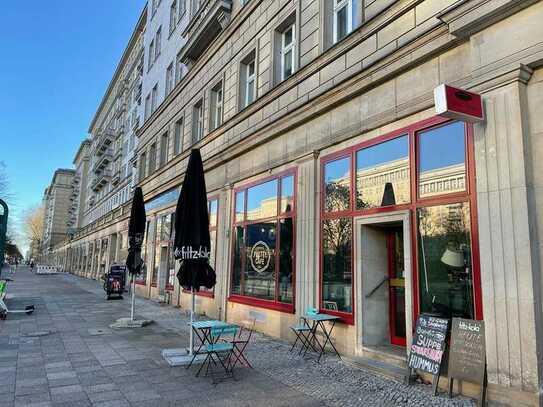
column 46, row 269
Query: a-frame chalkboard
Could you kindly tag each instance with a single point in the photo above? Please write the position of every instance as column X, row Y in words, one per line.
column 428, row 347
column 467, row 354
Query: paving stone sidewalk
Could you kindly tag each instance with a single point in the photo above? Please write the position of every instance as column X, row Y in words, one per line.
column 65, row 354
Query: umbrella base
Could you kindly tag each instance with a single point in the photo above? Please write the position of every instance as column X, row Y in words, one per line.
column 181, row 357
column 128, row 323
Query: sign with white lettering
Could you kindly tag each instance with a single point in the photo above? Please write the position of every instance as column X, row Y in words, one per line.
column 260, row 256
column 429, row 344
column 467, row 353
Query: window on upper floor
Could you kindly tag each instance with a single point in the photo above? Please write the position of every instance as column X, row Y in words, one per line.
column 288, row 51
column 169, row 79
column 216, row 107
column 248, row 80
column 152, row 159
column 178, row 68
column 178, row 137
column 173, row 15
column 343, row 19
column 198, row 121
column 285, row 49
column 182, row 8
column 163, row 149
column 195, row 6
column 158, row 42
column 141, row 169
column 147, row 107
column 154, row 98
column 151, row 57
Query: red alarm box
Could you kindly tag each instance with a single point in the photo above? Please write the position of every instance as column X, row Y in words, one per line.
column 458, row 104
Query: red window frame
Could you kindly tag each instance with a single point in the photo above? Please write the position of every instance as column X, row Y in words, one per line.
column 469, row 196
column 205, row 292
column 258, row 302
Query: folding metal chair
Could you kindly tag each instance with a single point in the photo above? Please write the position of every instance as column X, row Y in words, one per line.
column 303, row 332
column 241, row 341
column 220, row 352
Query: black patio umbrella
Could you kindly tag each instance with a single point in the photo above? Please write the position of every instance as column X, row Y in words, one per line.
column 192, row 243
column 136, row 232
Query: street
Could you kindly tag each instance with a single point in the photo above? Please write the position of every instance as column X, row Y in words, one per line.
column 65, row 354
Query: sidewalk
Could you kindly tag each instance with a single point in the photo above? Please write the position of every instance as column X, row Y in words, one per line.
column 80, row 361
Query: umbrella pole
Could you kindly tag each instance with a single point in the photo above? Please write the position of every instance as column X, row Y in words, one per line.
column 191, row 321
column 133, row 298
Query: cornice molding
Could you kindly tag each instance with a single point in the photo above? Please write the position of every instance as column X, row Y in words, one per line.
column 471, row 16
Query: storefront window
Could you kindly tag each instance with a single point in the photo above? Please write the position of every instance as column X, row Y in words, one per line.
column 166, row 228
column 259, row 273
column 239, row 238
column 156, row 263
column 442, row 160
column 448, row 283
column 240, row 206
column 337, row 271
column 262, row 201
column 382, row 174
column 445, row 271
column 287, row 194
column 337, row 178
column 263, row 250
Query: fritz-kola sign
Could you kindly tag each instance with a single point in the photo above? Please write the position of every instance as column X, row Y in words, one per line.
column 188, row 253
column 260, row 256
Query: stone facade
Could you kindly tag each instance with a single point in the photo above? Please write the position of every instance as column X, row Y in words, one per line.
column 57, row 204
column 344, row 95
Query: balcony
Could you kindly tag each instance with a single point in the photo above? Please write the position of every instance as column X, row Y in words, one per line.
column 104, row 141
column 101, row 180
column 212, row 17
column 121, row 107
column 103, row 160
column 120, row 130
column 136, row 123
column 116, row 177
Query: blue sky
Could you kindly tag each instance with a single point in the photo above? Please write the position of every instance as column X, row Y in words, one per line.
column 57, row 59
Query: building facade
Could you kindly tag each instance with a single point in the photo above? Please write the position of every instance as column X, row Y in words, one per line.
column 57, row 219
column 333, row 184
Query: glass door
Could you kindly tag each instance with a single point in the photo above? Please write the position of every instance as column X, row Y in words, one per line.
column 396, row 286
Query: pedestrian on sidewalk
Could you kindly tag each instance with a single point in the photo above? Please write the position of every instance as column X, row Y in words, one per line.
column 31, row 265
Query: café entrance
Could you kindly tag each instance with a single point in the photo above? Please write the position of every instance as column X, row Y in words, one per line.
column 383, row 264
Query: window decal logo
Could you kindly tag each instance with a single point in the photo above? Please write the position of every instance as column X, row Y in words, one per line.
column 260, row 256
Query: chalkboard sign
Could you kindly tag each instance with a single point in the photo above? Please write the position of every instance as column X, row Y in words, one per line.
column 429, row 344
column 467, row 358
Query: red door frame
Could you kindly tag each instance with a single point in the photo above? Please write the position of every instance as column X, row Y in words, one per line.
column 469, row 195
column 391, row 245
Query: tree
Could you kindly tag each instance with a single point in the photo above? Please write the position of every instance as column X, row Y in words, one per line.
column 33, row 223
column 4, row 184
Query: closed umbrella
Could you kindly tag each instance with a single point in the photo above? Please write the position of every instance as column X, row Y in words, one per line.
column 192, row 244
column 136, row 232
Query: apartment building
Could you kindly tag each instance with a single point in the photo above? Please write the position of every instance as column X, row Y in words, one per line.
column 333, row 183
column 58, row 219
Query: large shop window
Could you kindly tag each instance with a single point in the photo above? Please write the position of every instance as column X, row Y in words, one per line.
column 379, row 176
column 263, row 244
